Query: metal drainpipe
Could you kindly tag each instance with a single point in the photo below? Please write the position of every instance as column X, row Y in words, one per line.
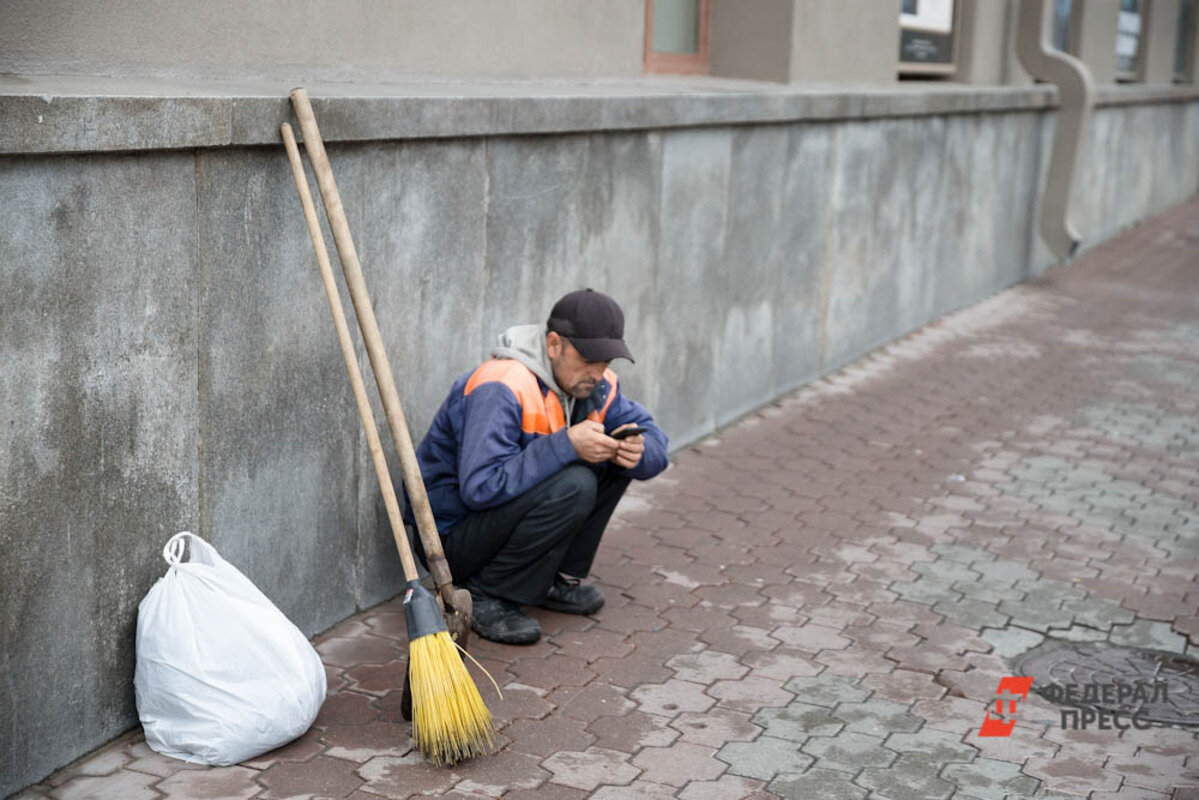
column 1076, row 91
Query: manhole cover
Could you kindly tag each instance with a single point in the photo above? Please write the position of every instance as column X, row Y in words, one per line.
column 1155, row 685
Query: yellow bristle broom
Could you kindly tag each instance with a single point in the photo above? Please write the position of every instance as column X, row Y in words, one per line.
column 450, row 721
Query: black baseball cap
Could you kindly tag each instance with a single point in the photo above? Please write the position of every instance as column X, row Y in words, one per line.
column 593, row 323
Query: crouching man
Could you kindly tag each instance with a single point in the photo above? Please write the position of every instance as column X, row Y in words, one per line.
column 525, row 461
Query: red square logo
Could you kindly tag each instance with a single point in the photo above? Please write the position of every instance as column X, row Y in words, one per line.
column 1001, row 717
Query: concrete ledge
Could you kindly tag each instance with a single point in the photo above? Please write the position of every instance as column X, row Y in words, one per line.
column 1135, row 94
column 66, row 115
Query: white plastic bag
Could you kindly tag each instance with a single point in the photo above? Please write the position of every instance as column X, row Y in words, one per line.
column 222, row 675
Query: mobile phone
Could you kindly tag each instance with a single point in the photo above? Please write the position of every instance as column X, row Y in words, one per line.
column 625, row 433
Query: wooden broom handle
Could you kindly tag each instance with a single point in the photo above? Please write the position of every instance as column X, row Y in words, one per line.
column 336, row 215
column 347, row 350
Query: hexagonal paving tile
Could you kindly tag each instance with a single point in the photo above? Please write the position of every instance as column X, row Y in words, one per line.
column 546, row 736
column 301, row 749
column 715, row 728
column 361, row 743
column 1071, row 775
column 587, row 769
column 595, row 701
column 632, row 731
column 749, row 694
column 937, row 746
column 903, row 686
column 706, row 667
column 911, row 777
column 152, row 763
column 398, row 777
column 877, row 717
column 497, row 774
column 679, row 763
column 798, row 721
column 105, row 761
column 988, row 779
column 227, row 783
column 848, row 752
column 121, row 785
column 672, row 698
column 322, row 776
column 764, row 757
column 727, row 787
column 810, row 638
column 640, row 791
column 781, row 664
column 825, row 784
column 825, row 690
column 363, row 649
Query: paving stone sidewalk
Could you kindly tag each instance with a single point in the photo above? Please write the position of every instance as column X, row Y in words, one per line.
column 819, row 601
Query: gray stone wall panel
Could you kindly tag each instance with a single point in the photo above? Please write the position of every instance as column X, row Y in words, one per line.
column 1042, row 258
column 630, row 244
column 1135, row 161
column 98, row 407
column 922, row 163
column 962, row 262
column 1017, row 172
column 422, row 246
column 756, row 252
column 1176, row 142
column 776, row 241
column 571, row 212
column 870, row 214
column 802, row 242
column 538, row 189
column 692, row 264
column 279, row 433
column 991, row 250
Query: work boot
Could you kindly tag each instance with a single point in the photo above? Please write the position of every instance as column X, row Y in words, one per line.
column 568, row 596
column 501, row 620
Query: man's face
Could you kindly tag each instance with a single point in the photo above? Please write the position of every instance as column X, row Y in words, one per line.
column 575, row 375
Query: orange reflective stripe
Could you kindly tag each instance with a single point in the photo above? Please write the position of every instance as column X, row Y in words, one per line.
column 599, row 414
column 497, row 369
column 538, row 413
column 557, row 417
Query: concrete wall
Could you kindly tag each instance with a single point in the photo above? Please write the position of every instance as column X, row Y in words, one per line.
column 1120, row 179
column 986, row 43
column 372, row 41
column 1098, row 22
column 168, row 362
column 1161, row 41
column 982, row 29
column 751, row 39
column 324, row 40
column 849, row 41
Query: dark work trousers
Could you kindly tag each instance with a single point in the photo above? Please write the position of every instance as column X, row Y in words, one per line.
column 514, row 550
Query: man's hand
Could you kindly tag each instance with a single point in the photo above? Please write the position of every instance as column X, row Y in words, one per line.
column 591, row 443
column 628, row 450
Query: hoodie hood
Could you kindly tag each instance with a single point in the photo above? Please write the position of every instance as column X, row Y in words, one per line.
column 526, row 344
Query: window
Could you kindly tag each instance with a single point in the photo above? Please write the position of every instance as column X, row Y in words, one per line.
column 1129, row 33
column 1065, row 26
column 676, row 36
column 1184, row 50
column 926, row 37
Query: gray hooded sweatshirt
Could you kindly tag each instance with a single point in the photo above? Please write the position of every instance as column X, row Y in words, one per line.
column 526, row 344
